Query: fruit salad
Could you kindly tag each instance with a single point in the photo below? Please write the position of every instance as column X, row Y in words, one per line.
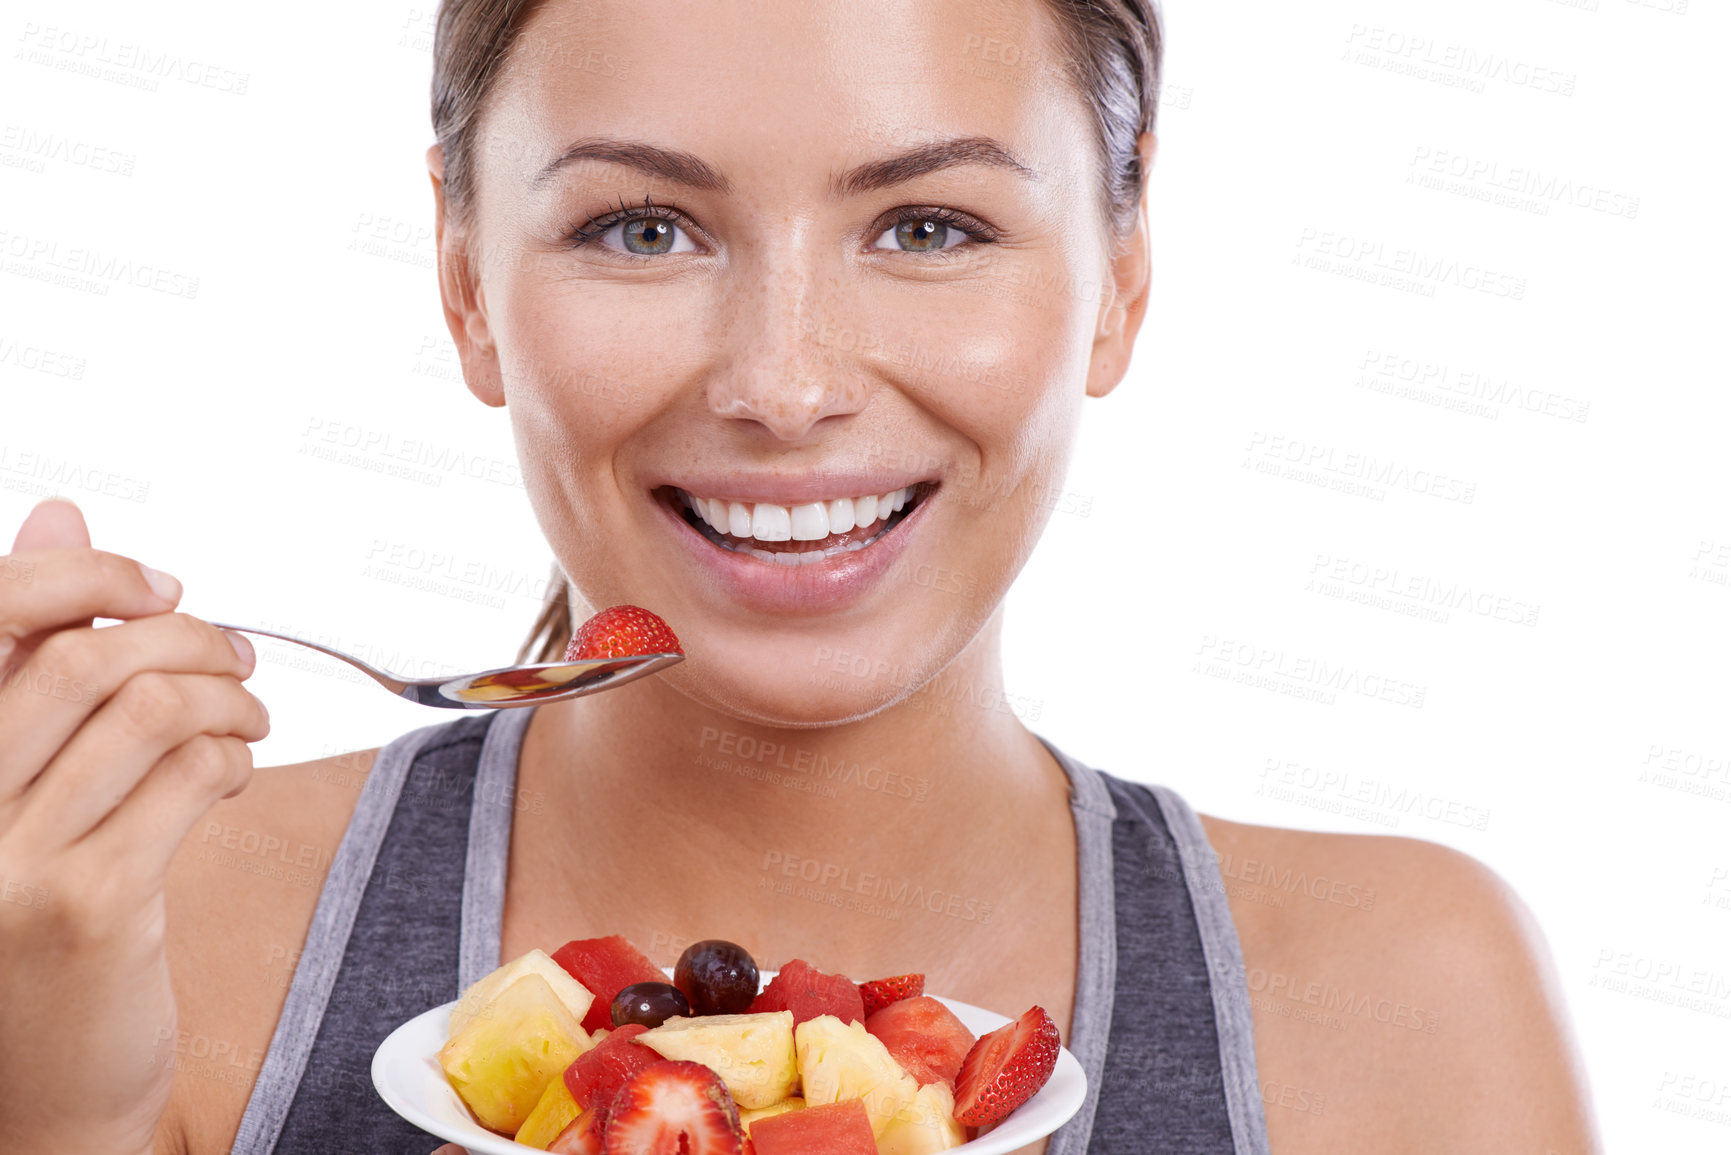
column 591, row 1051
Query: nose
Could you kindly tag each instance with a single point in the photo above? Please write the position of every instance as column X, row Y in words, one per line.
column 781, row 367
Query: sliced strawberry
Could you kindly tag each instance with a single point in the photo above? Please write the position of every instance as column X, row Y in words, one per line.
column 880, row 993
column 584, row 1135
column 621, row 632
column 808, row 992
column 673, row 1108
column 598, row 1073
column 925, row 1037
column 1005, row 1068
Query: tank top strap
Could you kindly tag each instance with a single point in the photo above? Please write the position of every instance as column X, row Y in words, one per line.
column 1181, row 1063
column 406, row 899
column 490, row 813
column 1094, row 813
column 1226, row 979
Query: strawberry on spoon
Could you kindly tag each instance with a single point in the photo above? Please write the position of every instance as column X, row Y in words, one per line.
column 621, row 632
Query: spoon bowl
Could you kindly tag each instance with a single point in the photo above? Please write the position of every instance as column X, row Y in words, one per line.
column 498, row 689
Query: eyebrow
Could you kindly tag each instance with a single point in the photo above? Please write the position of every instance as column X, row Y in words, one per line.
column 686, row 169
column 666, row 163
column 929, row 158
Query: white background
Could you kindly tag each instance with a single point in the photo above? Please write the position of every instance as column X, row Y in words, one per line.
column 1210, row 577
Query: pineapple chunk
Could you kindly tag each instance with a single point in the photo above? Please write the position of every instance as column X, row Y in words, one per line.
column 753, row 1054
column 572, row 993
column 842, row 1061
column 747, row 1114
column 925, row 1126
column 551, row 1115
column 501, row 1061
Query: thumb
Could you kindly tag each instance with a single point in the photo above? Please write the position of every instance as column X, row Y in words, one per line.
column 452, row 1149
column 53, row 524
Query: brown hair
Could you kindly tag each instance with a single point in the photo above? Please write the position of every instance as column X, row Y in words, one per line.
column 1113, row 49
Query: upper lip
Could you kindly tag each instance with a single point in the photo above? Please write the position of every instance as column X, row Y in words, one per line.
column 794, row 490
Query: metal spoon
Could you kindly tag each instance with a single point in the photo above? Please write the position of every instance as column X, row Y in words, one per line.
column 501, row 688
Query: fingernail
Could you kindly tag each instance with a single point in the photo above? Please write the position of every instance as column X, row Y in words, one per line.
column 242, row 647
column 162, row 585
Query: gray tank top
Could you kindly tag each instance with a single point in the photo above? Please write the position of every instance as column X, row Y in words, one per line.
column 411, row 909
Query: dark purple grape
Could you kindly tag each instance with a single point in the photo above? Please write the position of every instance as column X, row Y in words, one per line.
column 648, row 1003
column 717, row 976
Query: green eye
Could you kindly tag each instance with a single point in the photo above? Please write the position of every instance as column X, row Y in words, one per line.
column 647, row 236
column 921, row 235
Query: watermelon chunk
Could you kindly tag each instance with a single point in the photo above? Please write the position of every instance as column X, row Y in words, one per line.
column 596, row 1075
column 808, row 992
column 606, row 966
column 924, row 1037
column 832, row 1129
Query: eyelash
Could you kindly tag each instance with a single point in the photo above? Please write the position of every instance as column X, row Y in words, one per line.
column 579, row 235
column 977, row 231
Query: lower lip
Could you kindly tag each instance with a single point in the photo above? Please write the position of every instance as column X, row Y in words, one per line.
column 818, row 587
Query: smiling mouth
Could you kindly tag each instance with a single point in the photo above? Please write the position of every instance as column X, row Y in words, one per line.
column 797, row 535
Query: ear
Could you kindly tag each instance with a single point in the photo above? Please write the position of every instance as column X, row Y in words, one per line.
column 1125, row 298
column 460, row 293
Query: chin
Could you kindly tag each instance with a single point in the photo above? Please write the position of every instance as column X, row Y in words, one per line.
column 798, row 684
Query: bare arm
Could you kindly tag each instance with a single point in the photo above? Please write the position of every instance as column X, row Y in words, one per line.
column 1403, row 999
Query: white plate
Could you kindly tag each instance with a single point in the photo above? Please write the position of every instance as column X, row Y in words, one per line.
column 407, row 1074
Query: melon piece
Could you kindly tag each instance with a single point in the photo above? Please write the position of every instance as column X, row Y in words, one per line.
column 839, row 1061
column 926, row 1125
column 747, row 1115
column 808, row 992
column 832, row 1129
column 925, row 1037
column 501, row 1061
column 753, row 1054
column 606, row 966
column 572, row 993
column 599, row 1073
column 551, row 1115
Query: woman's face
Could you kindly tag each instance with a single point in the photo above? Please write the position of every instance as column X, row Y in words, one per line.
column 776, row 259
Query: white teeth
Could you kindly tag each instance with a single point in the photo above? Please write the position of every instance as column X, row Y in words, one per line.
column 841, row 515
column 813, row 521
column 771, row 522
column 738, row 520
column 810, row 522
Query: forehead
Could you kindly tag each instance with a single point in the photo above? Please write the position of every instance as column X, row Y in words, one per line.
column 784, row 86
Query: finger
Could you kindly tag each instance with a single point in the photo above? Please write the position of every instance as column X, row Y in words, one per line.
column 42, row 590
column 53, row 524
column 68, row 677
column 141, row 835
column 147, row 717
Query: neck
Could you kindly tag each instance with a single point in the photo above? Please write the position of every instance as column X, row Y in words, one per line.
column 941, row 788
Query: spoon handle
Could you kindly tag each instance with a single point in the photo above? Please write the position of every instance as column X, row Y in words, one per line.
column 395, row 685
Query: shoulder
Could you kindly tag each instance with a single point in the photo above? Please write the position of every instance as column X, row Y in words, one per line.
column 1412, row 983
column 240, row 897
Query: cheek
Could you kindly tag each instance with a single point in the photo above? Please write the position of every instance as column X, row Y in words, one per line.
column 1000, row 359
column 586, row 364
